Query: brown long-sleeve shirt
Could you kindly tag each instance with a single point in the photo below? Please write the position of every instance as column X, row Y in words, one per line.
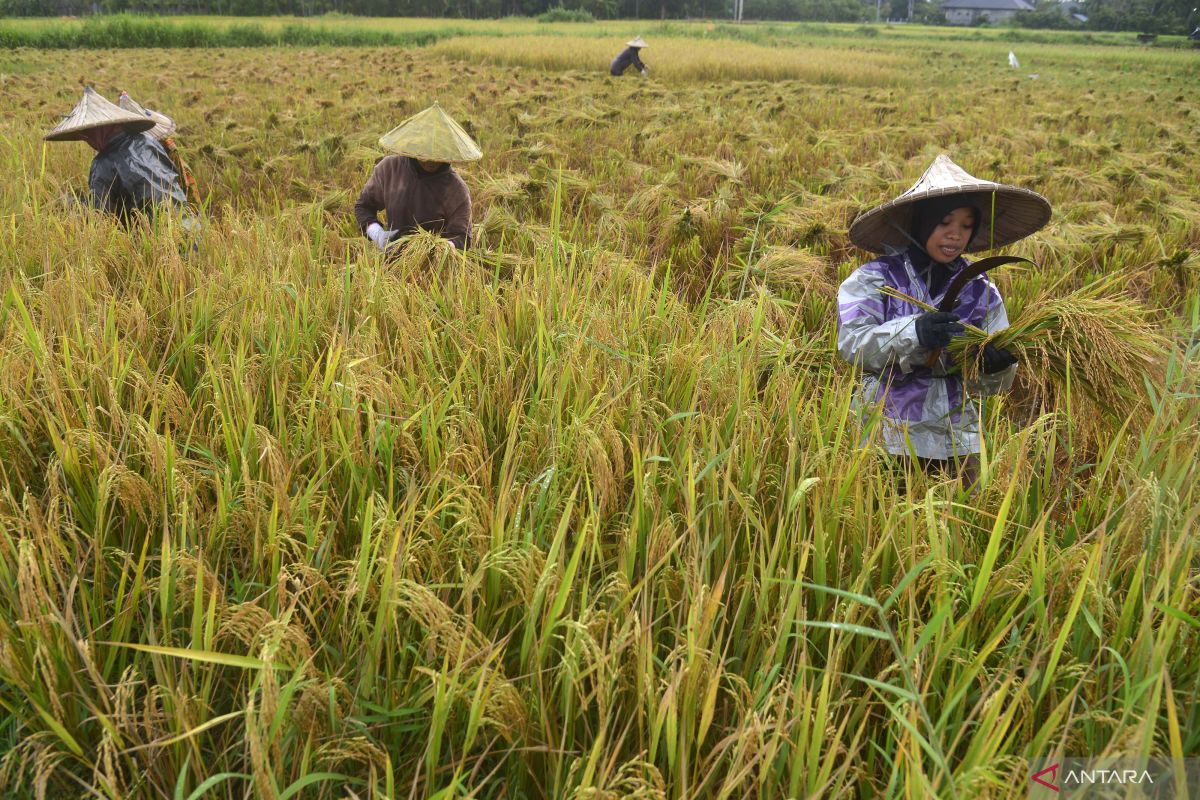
column 412, row 198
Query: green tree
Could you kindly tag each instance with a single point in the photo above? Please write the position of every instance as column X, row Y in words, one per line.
column 1149, row 16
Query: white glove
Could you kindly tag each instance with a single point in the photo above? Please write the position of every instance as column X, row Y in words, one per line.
column 643, row 72
column 378, row 235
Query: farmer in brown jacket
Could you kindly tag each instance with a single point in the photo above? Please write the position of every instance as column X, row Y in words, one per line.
column 418, row 187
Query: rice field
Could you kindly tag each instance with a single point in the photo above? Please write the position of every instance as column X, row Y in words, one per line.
column 584, row 512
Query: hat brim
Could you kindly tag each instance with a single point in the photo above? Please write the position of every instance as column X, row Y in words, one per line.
column 162, row 130
column 1012, row 214
column 76, row 133
column 422, row 155
column 164, row 126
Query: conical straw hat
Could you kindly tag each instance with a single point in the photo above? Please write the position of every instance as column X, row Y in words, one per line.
column 1009, row 213
column 93, row 111
column 431, row 136
column 164, row 126
column 637, row 42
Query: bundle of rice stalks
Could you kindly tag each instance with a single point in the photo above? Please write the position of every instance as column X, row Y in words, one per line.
column 501, row 225
column 422, row 250
column 683, row 232
column 569, row 181
column 1085, row 211
column 797, row 354
column 796, row 271
column 1174, row 209
column 1104, row 343
column 1184, row 266
column 1108, row 232
column 649, row 201
column 502, row 188
column 1080, row 184
column 495, row 261
column 717, row 167
column 813, row 219
column 1137, row 172
column 759, row 309
column 328, row 203
column 1096, row 341
column 586, row 117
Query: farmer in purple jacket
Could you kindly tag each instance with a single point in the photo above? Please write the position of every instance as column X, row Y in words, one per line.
column 927, row 412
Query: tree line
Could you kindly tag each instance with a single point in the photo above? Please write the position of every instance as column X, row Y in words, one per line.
column 1155, row 16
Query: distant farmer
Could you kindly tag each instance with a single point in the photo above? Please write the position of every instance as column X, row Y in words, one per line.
column 163, row 132
column 131, row 173
column 927, row 413
column 1195, row 35
column 629, row 56
column 418, row 187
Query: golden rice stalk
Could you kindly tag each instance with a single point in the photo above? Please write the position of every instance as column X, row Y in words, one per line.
column 352, row 750
column 129, row 490
column 634, row 780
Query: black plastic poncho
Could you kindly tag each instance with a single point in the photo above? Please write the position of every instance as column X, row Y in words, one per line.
column 133, row 173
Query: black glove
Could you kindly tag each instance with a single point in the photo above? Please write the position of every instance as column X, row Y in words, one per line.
column 935, row 329
column 996, row 359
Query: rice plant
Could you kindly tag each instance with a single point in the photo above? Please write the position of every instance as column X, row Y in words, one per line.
column 585, row 512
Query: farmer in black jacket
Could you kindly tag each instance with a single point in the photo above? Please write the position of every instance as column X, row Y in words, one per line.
column 629, row 56
column 131, row 172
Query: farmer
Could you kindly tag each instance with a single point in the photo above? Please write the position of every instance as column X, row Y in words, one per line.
column 131, row 173
column 927, row 412
column 629, row 56
column 163, row 132
column 418, row 187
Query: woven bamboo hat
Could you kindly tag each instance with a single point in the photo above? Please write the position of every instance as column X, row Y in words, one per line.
column 93, row 111
column 637, row 42
column 432, row 136
column 1009, row 212
column 164, row 126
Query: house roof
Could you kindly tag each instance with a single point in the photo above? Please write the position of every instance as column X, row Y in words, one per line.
column 989, row 5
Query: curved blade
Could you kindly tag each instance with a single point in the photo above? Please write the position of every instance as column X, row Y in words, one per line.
column 974, row 270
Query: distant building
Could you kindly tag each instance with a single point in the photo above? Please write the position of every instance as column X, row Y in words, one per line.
column 968, row 12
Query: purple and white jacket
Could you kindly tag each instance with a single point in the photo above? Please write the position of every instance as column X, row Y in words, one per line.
column 926, row 412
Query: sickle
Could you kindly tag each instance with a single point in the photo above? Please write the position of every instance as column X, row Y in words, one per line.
column 964, row 276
